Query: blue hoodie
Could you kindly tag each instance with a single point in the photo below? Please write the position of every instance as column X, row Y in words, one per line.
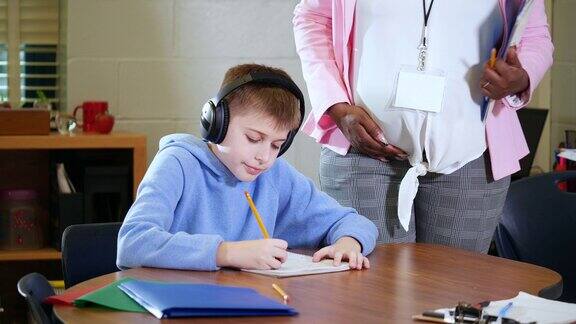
column 189, row 202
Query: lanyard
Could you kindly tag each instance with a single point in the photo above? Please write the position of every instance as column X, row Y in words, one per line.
column 423, row 45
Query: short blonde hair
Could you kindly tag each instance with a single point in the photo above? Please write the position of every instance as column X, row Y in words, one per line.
column 273, row 101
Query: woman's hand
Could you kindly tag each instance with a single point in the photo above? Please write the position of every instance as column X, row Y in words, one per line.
column 363, row 133
column 506, row 78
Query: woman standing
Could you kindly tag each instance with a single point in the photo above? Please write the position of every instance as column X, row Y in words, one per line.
column 397, row 91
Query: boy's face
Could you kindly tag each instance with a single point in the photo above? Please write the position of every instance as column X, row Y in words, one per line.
column 251, row 145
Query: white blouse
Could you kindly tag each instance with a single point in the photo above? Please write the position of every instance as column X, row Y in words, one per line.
column 461, row 34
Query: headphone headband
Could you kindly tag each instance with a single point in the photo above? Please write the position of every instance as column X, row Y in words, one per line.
column 266, row 78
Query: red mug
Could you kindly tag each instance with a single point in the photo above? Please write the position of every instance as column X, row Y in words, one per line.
column 89, row 111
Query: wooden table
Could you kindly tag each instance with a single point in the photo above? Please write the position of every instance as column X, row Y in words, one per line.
column 405, row 279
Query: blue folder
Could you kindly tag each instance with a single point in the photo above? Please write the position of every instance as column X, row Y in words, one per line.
column 170, row 300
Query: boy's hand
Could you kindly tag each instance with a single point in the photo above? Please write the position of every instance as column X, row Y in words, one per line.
column 258, row 254
column 346, row 248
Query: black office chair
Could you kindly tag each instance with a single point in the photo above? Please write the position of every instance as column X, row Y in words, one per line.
column 35, row 288
column 88, row 251
column 538, row 226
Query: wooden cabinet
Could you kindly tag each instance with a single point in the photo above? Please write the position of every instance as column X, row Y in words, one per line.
column 26, row 161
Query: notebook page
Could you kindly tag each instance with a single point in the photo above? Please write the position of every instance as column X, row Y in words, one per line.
column 299, row 265
column 527, row 308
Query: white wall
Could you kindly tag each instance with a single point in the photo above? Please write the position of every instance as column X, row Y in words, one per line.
column 564, row 70
column 157, row 61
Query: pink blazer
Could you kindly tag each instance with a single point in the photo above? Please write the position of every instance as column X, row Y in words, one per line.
column 324, row 39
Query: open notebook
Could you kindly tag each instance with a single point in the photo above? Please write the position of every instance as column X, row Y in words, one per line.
column 300, row 265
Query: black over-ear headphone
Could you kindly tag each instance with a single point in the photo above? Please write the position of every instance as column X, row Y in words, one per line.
column 216, row 115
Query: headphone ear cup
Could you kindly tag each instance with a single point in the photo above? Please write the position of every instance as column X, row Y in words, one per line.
column 287, row 142
column 207, row 121
column 221, row 121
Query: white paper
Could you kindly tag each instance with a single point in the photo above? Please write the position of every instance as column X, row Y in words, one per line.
column 299, row 265
column 418, row 90
column 569, row 154
column 528, row 308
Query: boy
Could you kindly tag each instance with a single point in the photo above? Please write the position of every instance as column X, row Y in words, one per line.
column 191, row 212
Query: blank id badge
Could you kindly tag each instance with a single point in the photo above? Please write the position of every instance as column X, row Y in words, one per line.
column 420, row 90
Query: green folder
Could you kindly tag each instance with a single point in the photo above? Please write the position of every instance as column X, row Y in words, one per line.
column 110, row 297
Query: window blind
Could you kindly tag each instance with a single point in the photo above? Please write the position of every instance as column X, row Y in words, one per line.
column 3, row 50
column 28, row 50
column 38, row 24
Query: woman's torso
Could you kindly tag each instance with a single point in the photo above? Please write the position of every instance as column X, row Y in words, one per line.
column 387, row 35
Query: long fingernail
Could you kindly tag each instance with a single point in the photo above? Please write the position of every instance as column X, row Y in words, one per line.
column 382, row 138
column 383, row 159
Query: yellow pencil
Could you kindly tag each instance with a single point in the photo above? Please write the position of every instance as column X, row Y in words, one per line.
column 56, row 284
column 256, row 215
column 492, row 61
column 281, row 292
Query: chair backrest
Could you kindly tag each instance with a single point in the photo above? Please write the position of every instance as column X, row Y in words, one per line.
column 35, row 288
column 538, row 226
column 88, row 251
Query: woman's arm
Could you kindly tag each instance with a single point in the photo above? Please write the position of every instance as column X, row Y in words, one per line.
column 535, row 49
column 314, row 44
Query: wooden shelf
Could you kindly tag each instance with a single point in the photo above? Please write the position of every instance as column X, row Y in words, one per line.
column 30, row 255
column 56, row 141
column 77, row 141
column 39, row 145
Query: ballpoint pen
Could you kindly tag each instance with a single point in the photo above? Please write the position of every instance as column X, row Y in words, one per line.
column 503, row 312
